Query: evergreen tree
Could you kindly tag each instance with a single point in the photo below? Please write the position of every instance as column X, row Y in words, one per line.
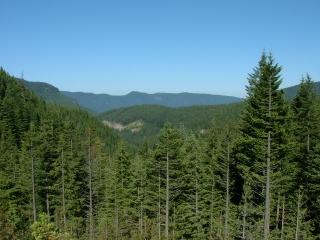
column 123, row 194
column 164, row 183
column 307, row 133
column 306, row 129
column 190, row 208
column 263, row 145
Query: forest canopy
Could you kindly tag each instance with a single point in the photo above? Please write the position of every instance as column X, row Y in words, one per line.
column 65, row 175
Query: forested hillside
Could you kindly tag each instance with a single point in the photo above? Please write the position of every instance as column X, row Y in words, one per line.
column 49, row 93
column 143, row 123
column 48, row 154
column 254, row 175
column 291, row 92
column 100, row 103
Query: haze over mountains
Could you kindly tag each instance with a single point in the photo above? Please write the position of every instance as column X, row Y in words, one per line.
column 99, row 103
column 105, row 102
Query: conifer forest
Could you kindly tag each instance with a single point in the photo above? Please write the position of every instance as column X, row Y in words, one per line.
column 65, row 175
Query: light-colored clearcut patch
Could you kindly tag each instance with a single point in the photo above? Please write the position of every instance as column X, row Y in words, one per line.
column 203, row 131
column 134, row 127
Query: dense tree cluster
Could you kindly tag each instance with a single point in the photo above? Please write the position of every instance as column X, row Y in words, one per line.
column 44, row 164
column 65, row 176
column 153, row 117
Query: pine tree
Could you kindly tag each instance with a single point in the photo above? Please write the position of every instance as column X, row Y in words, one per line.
column 306, row 128
column 212, row 193
column 163, row 188
column 43, row 162
column 263, row 145
column 123, row 194
column 307, row 133
column 190, row 206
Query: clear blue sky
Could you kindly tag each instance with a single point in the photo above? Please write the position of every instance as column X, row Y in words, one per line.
column 157, row 45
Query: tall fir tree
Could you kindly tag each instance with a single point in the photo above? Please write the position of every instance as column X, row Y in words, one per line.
column 307, row 134
column 262, row 149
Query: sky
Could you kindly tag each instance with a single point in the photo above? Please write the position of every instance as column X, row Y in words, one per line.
column 202, row 46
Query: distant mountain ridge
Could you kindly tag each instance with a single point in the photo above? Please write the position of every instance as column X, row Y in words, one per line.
column 105, row 102
column 99, row 103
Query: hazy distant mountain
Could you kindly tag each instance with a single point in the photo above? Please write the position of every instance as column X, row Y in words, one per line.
column 142, row 123
column 105, row 102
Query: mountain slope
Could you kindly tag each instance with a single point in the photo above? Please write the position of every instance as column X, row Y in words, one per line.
column 142, row 123
column 99, row 103
column 49, row 93
column 48, row 144
column 291, row 92
column 105, row 102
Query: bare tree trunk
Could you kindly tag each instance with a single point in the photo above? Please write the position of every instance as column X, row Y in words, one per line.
column 278, row 212
column 90, row 191
column 141, row 208
column 220, row 232
column 140, row 218
column 116, row 214
column 197, row 203
column 48, row 205
column 14, row 168
column 140, row 211
column 106, row 235
column 197, row 192
column 33, row 187
column 140, row 193
column 282, row 220
column 268, row 170
column 139, row 224
column 174, row 221
column 63, row 194
column 211, row 209
column 159, row 207
column 226, row 220
column 167, row 199
column 298, row 217
column 267, row 200
column 197, row 200
column 243, row 235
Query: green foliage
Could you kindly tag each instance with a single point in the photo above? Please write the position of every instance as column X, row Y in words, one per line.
column 291, row 92
column 202, row 176
column 307, row 134
column 266, row 117
column 50, row 93
column 33, row 138
column 154, row 118
column 43, row 229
